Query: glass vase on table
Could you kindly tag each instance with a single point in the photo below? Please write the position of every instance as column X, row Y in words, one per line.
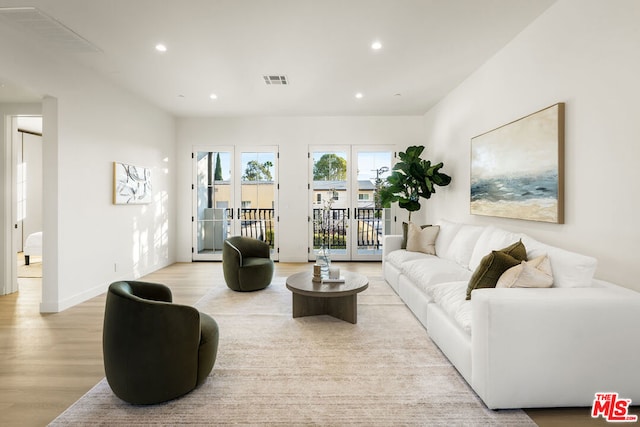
column 323, row 258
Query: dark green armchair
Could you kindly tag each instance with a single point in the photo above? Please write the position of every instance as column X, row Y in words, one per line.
column 154, row 350
column 246, row 263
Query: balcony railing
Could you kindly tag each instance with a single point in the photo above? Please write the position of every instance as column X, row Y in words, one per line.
column 369, row 227
column 332, row 229
column 257, row 223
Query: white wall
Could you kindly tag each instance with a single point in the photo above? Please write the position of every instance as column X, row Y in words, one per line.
column 584, row 53
column 89, row 123
column 293, row 135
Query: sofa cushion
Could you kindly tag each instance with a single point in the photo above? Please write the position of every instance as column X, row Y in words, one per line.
column 491, row 239
column 432, row 270
column 448, row 231
column 462, row 244
column 405, row 233
column 570, row 269
column 399, row 257
column 529, row 274
column 494, row 264
column 450, row 296
column 422, row 239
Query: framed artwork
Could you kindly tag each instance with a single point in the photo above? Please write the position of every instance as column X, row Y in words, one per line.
column 131, row 184
column 517, row 170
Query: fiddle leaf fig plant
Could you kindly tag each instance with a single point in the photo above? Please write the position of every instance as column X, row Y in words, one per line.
column 412, row 178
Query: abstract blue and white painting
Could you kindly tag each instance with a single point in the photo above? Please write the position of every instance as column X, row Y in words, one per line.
column 516, row 169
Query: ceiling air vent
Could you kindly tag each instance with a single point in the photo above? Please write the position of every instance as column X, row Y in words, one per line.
column 42, row 25
column 275, row 79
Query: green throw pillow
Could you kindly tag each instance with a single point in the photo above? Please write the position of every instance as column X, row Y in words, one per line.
column 405, row 228
column 516, row 250
column 493, row 265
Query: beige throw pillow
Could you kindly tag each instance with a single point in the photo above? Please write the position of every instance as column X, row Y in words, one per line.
column 422, row 240
column 528, row 274
column 405, row 231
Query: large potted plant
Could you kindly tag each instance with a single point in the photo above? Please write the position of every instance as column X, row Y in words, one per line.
column 412, row 178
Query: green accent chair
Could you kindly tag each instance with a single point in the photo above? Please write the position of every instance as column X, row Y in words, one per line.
column 154, row 350
column 246, row 263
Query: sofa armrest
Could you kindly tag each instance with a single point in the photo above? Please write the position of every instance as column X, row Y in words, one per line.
column 392, row 242
column 554, row 347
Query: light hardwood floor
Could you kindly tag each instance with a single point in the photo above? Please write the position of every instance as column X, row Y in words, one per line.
column 48, row 361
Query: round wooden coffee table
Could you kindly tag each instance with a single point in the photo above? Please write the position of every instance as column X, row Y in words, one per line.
column 339, row 300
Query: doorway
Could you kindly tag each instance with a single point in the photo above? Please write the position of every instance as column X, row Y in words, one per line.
column 27, row 183
column 235, row 193
column 344, row 210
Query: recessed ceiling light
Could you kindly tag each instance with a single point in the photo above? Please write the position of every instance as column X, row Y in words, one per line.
column 376, row 45
column 161, row 48
column 213, row 96
column 359, row 95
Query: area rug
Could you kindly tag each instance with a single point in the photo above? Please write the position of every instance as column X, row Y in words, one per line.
column 273, row 370
column 33, row 270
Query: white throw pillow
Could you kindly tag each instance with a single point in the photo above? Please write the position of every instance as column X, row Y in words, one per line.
column 535, row 273
column 448, row 231
column 422, row 240
column 570, row 269
column 491, row 239
column 462, row 244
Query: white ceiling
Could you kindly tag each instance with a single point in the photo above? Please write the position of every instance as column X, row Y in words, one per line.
column 322, row 46
column 12, row 93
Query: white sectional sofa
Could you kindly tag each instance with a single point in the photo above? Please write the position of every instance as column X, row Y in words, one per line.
column 521, row 347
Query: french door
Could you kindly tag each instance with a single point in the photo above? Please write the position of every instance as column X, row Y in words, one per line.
column 235, row 193
column 345, row 214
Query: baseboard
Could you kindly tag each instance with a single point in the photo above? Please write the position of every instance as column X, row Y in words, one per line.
column 61, row 305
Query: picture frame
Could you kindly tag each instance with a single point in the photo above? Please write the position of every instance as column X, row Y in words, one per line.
column 517, row 170
column 131, row 184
